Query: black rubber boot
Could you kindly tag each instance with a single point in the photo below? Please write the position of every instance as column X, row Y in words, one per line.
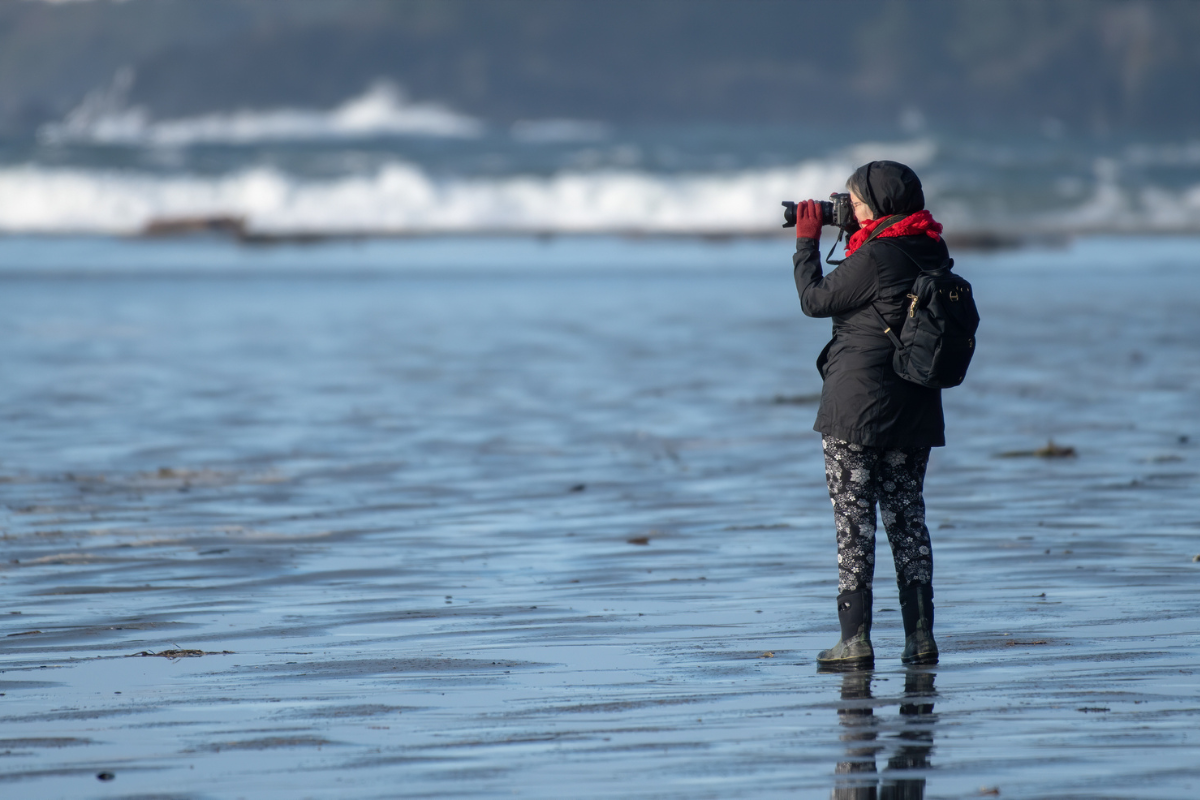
column 853, row 650
column 916, row 606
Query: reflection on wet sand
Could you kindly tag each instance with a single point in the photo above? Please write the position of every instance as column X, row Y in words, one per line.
column 857, row 776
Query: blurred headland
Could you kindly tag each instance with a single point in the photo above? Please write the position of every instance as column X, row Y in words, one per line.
column 1097, row 67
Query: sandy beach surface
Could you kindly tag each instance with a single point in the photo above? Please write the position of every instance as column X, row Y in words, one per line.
column 548, row 519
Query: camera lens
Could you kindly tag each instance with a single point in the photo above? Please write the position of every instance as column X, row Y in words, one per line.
column 789, row 214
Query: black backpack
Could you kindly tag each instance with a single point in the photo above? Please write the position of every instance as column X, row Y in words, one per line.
column 937, row 339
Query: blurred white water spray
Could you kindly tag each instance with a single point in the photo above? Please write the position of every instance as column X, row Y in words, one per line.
column 105, row 116
column 401, row 198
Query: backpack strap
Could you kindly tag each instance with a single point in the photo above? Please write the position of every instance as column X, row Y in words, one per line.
column 889, row 222
column 887, row 328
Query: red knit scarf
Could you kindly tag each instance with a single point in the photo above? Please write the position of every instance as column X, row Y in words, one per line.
column 920, row 222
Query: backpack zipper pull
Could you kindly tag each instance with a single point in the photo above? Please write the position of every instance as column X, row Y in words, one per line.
column 912, row 309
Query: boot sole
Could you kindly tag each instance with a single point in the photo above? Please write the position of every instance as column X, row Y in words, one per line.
column 846, row 664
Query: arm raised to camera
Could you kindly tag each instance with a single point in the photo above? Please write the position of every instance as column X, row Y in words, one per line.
column 851, row 285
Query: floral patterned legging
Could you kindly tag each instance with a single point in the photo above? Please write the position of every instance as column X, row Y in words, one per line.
column 858, row 477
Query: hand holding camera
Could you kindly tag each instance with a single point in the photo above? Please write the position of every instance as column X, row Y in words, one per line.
column 837, row 211
column 807, row 216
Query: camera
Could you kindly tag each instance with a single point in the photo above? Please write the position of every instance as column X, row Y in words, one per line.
column 835, row 211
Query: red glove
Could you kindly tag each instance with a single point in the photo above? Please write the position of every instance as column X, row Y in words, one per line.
column 808, row 220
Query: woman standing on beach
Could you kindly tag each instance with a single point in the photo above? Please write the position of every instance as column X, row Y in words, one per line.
column 877, row 429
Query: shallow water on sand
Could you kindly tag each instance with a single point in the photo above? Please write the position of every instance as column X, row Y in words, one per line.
column 547, row 519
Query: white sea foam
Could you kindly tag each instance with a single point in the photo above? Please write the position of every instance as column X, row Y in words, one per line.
column 401, row 198
column 105, row 117
column 1114, row 207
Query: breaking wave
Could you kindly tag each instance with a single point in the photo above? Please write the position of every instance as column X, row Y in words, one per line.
column 401, row 198
column 105, row 117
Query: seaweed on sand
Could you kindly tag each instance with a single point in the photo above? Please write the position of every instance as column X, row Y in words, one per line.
column 180, row 652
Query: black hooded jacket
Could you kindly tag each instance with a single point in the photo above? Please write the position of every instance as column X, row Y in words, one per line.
column 863, row 401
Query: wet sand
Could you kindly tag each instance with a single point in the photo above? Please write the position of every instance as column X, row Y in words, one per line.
column 548, row 520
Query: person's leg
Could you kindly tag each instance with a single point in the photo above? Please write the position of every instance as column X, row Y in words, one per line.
column 850, row 474
column 902, row 506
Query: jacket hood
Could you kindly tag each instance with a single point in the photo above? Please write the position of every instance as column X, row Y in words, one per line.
column 888, row 188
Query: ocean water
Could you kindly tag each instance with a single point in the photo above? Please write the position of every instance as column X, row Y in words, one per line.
column 545, row 517
column 380, row 163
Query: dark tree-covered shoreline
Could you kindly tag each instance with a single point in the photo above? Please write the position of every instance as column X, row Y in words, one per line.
column 1090, row 66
